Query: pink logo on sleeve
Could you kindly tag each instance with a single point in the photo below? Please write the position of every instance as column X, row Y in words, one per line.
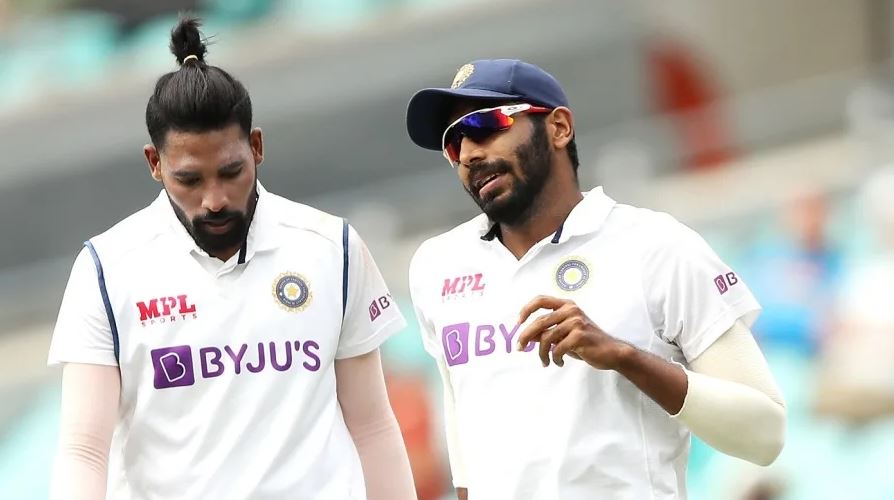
column 724, row 282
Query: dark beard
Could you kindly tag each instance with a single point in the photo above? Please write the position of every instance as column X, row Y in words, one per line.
column 535, row 161
column 211, row 243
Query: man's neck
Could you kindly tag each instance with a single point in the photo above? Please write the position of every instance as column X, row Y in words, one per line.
column 547, row 215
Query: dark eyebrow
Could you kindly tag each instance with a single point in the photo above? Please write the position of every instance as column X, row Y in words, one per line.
column 229, row 167
column 185, row 174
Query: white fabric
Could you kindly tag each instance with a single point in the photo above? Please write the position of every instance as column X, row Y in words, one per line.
column 227, row 378
column 730, row 386
column 574, row 432
column 371, row 422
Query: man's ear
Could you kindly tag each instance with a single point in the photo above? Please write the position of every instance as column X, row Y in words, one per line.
column 561, row 127
column 153, row 159
column 256, row 139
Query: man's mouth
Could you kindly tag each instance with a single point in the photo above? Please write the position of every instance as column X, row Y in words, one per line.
column 484, row 181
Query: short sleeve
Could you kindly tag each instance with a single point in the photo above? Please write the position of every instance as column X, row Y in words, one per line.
column 82, row 333
column 371, row 314
column 693, row 297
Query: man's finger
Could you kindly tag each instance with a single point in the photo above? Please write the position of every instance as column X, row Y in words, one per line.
column 540, row 325
column 550, row 338
column 566, row 346
column 539, row 302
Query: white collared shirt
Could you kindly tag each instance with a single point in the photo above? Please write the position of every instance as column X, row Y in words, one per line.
column 528, row 432
column 227, row 370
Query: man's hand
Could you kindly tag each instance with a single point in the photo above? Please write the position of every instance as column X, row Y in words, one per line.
column 567, row 330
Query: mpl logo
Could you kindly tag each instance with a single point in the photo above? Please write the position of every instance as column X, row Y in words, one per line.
column 166, row 310
column 470, row 285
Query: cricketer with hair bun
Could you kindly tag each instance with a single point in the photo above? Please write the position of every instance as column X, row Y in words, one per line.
column 223, row 341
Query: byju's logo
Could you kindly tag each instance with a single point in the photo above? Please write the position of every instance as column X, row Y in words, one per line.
column 469, row 285
column 723, row 282
column 379, row 305
column 173, row 367
column 166, row 310
column 460, row 343
column 456, row 343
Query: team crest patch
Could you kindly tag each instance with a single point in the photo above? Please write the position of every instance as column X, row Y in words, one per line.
column 462, row 75
column 292, row 292
column 572, row 274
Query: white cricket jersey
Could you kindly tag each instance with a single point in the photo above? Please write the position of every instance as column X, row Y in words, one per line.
column 227, row 372
column 527, row 432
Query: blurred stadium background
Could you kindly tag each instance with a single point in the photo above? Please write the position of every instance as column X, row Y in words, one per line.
column 767, row 125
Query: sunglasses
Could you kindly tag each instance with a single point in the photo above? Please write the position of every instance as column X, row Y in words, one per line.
column 480, row 125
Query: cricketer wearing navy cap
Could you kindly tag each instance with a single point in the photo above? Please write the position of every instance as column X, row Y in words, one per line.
column 579, row 340
column 483, row 80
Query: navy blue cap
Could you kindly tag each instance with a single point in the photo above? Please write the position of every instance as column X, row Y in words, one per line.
column 482, row 80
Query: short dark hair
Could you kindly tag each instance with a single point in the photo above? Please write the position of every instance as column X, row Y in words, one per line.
column 539, row 121
column 197, row 97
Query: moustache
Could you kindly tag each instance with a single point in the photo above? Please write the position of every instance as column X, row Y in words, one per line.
column 483, row 172
column 217, row 217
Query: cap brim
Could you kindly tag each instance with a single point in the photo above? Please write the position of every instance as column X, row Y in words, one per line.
column 428, row 111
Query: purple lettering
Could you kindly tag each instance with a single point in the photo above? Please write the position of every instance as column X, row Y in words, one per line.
column 261, row 360
column 489, row 339
column 307, row 352
column 214, row 360
column 720, row 283
column 277, row 366
column 508, row 336
column 237, row 359
column 384, row 302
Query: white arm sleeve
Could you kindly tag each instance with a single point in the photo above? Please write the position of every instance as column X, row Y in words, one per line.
column 732, row 401
column 90, row 396
column 454, row 450
column 368, row 416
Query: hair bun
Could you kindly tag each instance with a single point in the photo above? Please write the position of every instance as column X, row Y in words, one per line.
column 186, row 40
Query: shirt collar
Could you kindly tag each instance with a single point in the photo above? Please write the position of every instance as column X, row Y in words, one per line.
column 586, row 217
column 261, row 231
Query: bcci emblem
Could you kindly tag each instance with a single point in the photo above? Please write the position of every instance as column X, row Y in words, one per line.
column 292, row 292
column 462, row 75
column 572, row 274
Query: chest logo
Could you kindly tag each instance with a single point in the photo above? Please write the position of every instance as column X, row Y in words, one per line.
column 166, row 309
column 572, row 274
column 470, row 285
column 292, row 292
